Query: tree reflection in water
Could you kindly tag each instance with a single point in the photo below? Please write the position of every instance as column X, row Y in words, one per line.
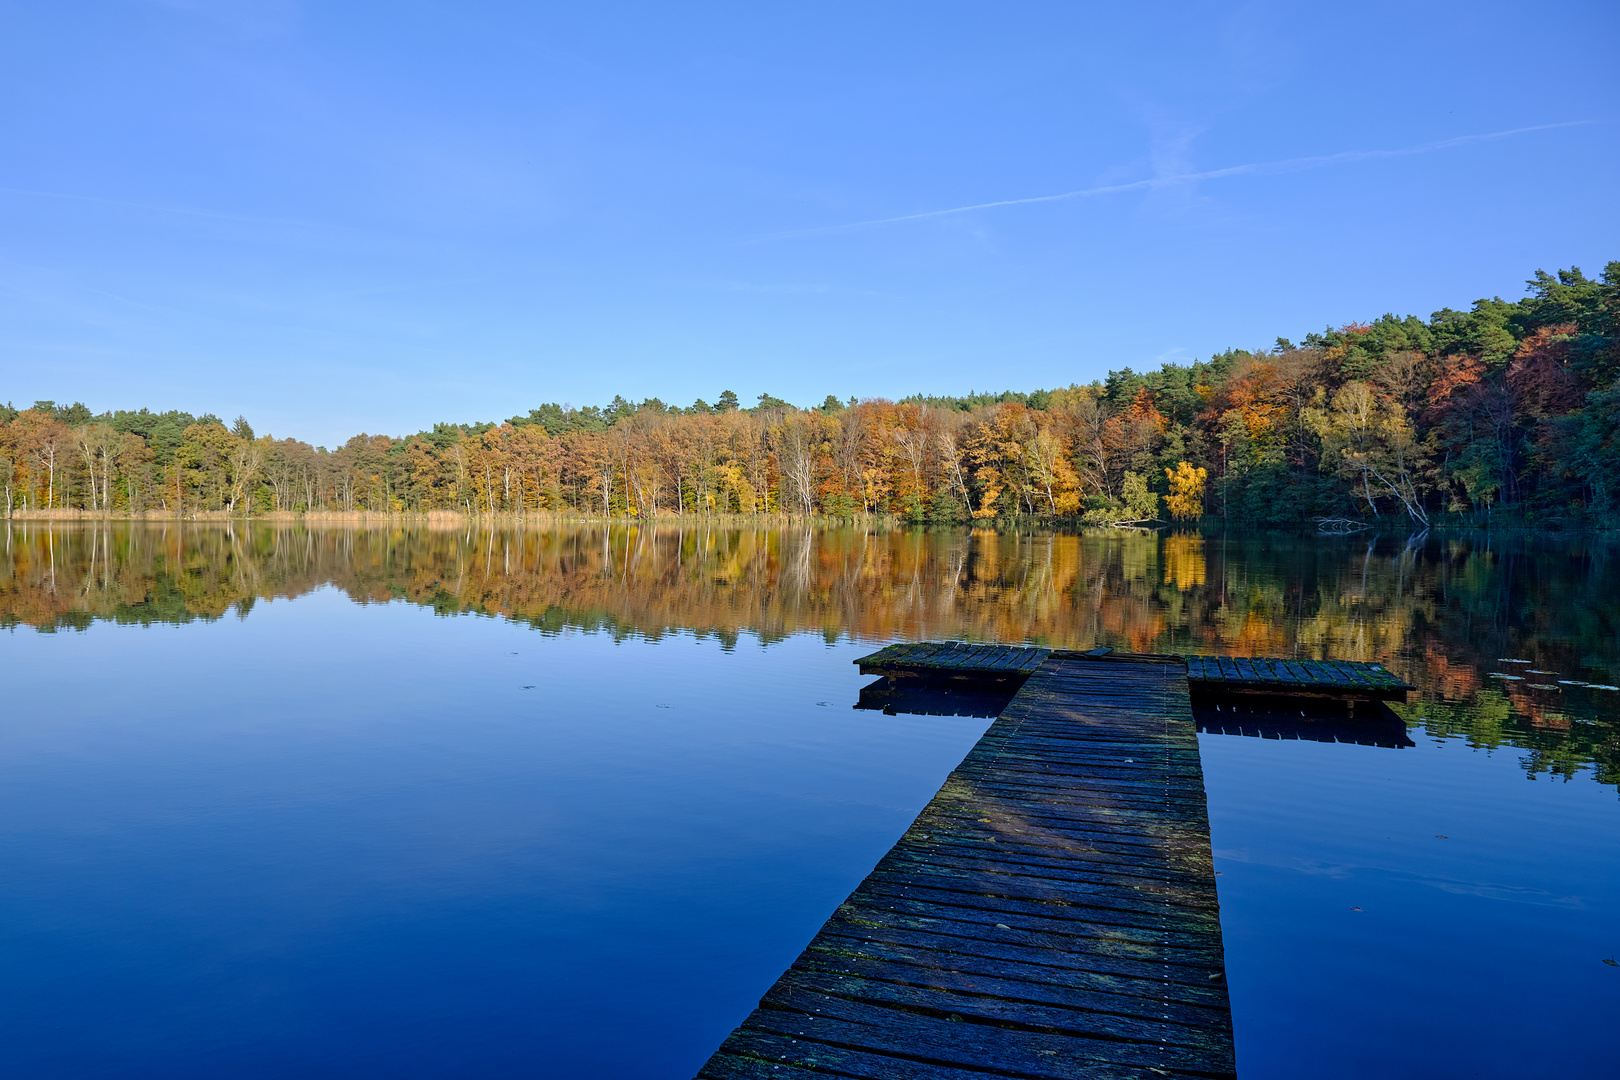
column 1444, row 612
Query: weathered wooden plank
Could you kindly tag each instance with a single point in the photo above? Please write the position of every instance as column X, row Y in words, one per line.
column 751, row 1055
column 914, row 654
column 1037, row 897
column 1114, row 821
column 1148, row 974
column 1109, row 794
column 1092, row 837
column 1353, row 672
column 973, row 656
column 756, row 1055
column 1266, row 669
column 999, row 863
column 1037, row 908
column 1100, row 795
column 1078, row 823
column 842, row 954
column 1124, row 775
column 1042, row 829
column 996, row 659
column 1078, row 759
column 973, row 1005
column 1144, row 766
column 1078, row 864
column 1077, row 819
column 1034, row 660
column 1333, row 674
column 990, row 659
column 1020, row 659
column 1123, row 780
column 1097, row 936
column 1086, row 812
column 1330, row 674
column 1181, row 871
column 1356, row 672
column 1026, row 660
column 1101, row 993
column 1384, row 676
column 1045, row 898
column 996, row 1049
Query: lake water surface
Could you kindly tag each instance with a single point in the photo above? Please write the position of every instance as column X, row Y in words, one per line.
column 403, row 802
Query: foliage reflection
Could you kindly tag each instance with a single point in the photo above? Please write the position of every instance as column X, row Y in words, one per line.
column 1445, row 613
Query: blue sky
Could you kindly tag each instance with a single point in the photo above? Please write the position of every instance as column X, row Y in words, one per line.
column 350, row 217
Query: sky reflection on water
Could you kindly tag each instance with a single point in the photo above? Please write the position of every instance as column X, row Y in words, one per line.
column 338, row 839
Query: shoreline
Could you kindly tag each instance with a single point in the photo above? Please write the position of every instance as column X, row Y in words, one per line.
column 456, row 519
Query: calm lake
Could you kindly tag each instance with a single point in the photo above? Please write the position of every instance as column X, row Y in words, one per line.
column 283, row 801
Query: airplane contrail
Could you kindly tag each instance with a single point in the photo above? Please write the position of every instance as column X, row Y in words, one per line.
column 1253, row 168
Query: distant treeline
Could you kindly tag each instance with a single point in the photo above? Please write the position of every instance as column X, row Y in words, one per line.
column 1507, row 407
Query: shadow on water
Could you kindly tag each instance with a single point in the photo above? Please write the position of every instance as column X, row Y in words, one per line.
column 1255, row 716
column 1511, row 641
column 1309, row 720
column 936, row 697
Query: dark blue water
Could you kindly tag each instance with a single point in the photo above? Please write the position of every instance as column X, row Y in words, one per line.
column 331, row 840
column 1426, row 912
column 336, row 840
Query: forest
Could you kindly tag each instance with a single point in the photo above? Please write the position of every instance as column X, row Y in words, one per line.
column 1507, row 412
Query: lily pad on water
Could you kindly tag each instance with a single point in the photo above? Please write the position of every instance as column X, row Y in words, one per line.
column 1499, row 675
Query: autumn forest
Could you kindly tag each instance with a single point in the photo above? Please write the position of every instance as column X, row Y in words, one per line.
column 1507, row 411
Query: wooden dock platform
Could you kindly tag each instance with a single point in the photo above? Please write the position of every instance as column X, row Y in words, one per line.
column 1335, row 678
column 1051, row 913
column 955, row 659
column 1225, row 674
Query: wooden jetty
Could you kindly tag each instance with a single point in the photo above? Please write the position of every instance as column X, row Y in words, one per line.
column 1224, row 674
column 1051, row 913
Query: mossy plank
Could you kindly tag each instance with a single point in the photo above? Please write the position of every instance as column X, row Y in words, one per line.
column 1104, row 993
column 958, row 1042
column 832, row 952
column 1147, row 974
column 1052, row 905
column 986, row 1008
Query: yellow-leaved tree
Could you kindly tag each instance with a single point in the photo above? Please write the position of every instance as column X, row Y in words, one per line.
column 1186, row 499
